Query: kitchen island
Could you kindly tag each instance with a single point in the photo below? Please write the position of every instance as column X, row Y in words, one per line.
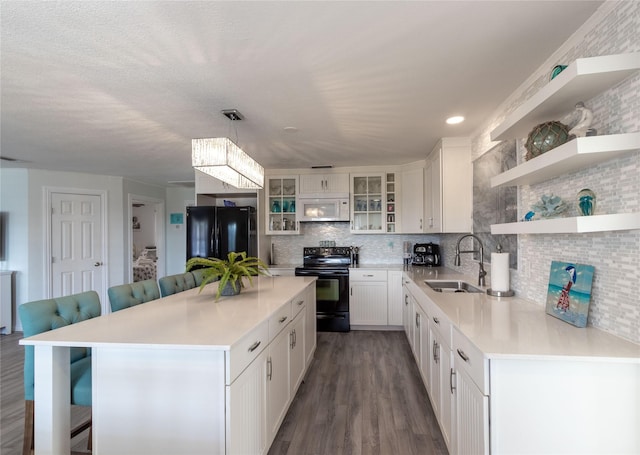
column 504, row 377
column 182, row 374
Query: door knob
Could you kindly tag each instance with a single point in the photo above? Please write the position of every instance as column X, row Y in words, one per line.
column 97, row 264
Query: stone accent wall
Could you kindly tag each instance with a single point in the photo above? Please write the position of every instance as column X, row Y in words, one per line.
column 615, row 303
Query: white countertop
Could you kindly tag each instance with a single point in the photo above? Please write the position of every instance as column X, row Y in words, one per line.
column 184, row 320
column 510, row 327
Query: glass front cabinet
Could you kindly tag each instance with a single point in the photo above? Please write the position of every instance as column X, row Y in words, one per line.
column 368, row 209
column 280, row 194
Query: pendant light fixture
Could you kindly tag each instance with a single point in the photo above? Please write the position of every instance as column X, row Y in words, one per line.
column 221, row 158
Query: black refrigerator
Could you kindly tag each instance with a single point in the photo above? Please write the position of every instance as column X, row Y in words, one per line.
column 212, row 232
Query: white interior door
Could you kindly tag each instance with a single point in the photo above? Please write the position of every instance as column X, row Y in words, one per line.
column 76, row 244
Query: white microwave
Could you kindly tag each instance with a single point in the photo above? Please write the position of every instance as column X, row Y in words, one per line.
column 321, row 209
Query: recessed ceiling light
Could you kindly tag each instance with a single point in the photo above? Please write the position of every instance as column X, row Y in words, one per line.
column 455, row 120
column 290, row 129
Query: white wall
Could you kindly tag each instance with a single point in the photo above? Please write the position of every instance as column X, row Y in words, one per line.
column 615, row 303
column 176, row 234
column 14, row 197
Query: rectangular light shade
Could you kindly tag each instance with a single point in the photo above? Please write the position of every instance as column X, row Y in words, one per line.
column 220, row 158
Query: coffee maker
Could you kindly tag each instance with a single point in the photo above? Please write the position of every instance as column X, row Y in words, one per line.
column 427, row 254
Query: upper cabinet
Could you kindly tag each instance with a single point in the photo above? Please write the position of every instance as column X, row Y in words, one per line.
column 205, row 184
column 325, row 185
column 413, row 200
column 580, row 81
column 280, row 202
column 392, row 199
column 448, row 187
column 367, row 198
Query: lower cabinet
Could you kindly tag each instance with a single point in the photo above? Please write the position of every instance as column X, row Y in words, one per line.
column 296, row 350
column 278, row 389
column 259, row 398
column 394, row 297
column 247, row 410
column 367, row 297
column 472, row 413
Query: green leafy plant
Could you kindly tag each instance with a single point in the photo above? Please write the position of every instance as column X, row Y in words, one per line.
column 230, row 270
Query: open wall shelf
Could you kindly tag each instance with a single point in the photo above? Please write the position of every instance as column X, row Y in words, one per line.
column 581, row 224
column 572, row 156
column 580, row 81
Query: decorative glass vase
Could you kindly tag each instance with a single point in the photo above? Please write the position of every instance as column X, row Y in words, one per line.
column 586, row 202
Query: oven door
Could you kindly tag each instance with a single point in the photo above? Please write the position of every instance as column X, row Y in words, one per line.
column 332, row 300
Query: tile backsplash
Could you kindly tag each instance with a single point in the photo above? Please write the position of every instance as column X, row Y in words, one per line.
column 615, row 306
column 375, row 248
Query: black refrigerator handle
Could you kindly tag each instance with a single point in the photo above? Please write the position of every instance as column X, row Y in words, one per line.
column 216, row 241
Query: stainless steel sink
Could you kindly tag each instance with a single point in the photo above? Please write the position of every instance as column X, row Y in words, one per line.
column 452, row 286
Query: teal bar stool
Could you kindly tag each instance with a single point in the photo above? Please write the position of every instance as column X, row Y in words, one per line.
column 50, row 314
column 198, row 275
column 128, row 295
column 176, row 283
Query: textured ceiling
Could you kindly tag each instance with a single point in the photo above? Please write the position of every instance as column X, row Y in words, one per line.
column 121, row 88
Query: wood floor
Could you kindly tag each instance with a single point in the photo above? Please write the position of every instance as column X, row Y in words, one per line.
column 12, row 400
column 362, row 395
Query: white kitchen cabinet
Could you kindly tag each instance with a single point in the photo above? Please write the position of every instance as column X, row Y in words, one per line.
column 280, row 202
column 448, row 188
column 324, row 185
column 278, row 388
column 413, row 201
column 394, row 297
column 367, row 297
column 471, row 403
column 367, row 198
column 296, row 350
column 206, row 184
column 441, row 373
column 407, row 314
column 6, row 301
column 247, row 410
column 581, row 80
column 392, row 213
column 310, row 330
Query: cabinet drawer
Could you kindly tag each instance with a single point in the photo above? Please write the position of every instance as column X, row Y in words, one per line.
column 471, row 360
column 279, row 320
column 367, row 275
column 247, row 349
column 297, row 304
column 439, row 322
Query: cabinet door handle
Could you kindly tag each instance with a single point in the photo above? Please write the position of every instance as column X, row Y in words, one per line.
column 406, row 300
column 436, row 320
column 254, row 346
column 291, row 342
column 368, row 275
column 417, row 320
column 451, row 375
column 435, row 350
column 463, row 355
column 269, row 369
column 295, row 338
column 300, row 302
column 282, row 319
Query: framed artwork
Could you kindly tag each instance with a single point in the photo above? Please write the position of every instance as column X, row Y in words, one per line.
column 569, row 292
column 135, row 223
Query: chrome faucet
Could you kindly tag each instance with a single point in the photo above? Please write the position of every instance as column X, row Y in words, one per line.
column 482, row 273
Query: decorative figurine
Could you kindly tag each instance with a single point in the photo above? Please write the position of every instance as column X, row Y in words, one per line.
column 586, row 118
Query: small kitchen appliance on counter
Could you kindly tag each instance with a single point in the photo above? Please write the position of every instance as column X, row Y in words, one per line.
column 426, row 254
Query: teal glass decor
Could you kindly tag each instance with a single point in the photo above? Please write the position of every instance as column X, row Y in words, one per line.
column 586, row 202
column 545, row 137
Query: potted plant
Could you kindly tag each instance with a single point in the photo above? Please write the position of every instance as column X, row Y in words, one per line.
column 230, row 271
